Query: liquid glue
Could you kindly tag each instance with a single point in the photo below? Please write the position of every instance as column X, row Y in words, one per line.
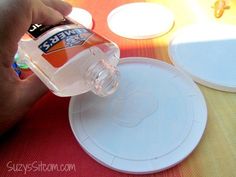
column 71, row 59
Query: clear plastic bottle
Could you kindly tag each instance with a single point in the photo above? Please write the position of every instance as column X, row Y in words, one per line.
column 71, row 59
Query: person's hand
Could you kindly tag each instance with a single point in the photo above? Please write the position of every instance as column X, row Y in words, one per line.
column 16, row 16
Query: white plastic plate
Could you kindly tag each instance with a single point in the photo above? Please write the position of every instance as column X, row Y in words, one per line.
column 154, row 120
column 207, row 52
column 81, row 16
column 140, row 20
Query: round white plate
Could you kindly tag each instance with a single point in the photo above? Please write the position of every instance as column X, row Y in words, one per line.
column 154, row 120
column 140, row 20
column 81, row 16
column 207, row 52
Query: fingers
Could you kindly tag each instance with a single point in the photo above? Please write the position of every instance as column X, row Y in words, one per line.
column 17, row 98
column 50, row 11
column 32, row 89
column 7, row 54
column 43, row 14
column 63, row 7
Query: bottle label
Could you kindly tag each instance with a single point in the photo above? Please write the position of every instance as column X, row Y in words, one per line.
column 65, row 39
column 59, row 48
column 36, row 30
column 64, row 45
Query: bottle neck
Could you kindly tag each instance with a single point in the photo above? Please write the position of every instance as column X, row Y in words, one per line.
column 103, row 78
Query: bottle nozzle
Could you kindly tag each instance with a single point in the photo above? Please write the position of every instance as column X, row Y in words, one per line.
column 103, row 78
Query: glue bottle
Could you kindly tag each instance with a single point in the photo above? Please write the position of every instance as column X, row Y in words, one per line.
column 71, row 59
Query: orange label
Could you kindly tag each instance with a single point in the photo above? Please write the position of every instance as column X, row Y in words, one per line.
column 62, row 46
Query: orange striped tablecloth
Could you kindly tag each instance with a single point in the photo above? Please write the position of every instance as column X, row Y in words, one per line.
column 45, row 136
column 215, row 156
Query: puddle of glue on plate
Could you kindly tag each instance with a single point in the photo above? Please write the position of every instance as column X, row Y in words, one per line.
column 128, row 107
column 132, row 105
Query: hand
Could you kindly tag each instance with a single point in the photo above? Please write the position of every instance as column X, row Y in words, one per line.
column 17, row 96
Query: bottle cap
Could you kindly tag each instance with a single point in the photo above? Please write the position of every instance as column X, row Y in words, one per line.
column 207, row 53
column 81, row 16
column 19, row 59
column 152, row 122
column 141, row 20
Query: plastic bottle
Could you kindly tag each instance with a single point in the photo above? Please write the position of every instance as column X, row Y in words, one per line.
column 71, row 59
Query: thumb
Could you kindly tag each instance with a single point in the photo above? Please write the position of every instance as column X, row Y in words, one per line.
column 44, row 14
column 63, row 7
column 32, row 89
column 50, row 11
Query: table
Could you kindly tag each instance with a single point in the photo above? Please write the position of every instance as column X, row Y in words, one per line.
column 44, row 136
